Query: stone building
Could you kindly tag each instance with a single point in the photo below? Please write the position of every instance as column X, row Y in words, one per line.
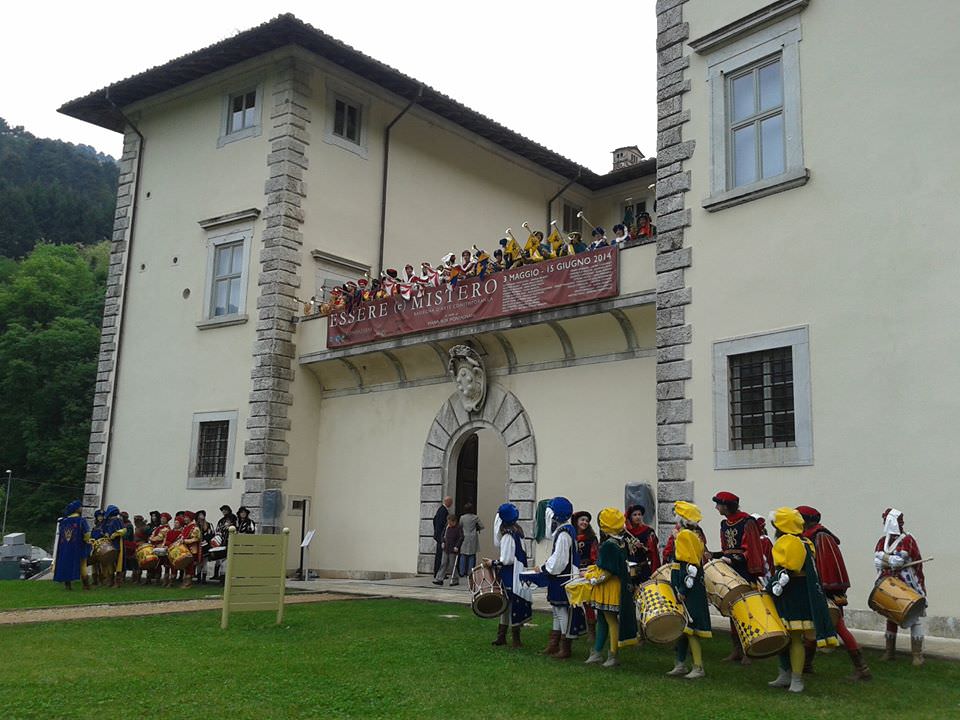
column 788, row 335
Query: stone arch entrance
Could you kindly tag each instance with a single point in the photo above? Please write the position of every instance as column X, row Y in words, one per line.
column 504, row 415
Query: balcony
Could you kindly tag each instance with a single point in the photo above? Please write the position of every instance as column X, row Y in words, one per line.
column 619, row 327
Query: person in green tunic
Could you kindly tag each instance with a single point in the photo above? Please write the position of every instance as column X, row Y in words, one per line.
column 686, row 577
column 616, row 614
column 798, row 596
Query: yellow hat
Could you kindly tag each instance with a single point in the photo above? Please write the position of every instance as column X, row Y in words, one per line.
column 687, row 510
column 788, row 520
column 611, row 520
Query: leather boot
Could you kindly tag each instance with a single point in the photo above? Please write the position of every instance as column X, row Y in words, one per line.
column 860, row 669
column 916, row 647
column 566, row 646
column 515, row 633
column 553, row 645
column 501, row 635
column 890, row 647
column 809, row 650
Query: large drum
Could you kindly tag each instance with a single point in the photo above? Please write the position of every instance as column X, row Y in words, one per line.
column 489, row 600
column 579, row 592
column 179, row 556
column 897, row 601
column 724, row 585
column 661, row 616
column 662, row 573
column 104, row 553
column 758, row 624
column 217, row 550
column 146, row 558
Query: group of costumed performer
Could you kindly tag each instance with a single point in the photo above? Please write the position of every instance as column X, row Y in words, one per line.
column 568, row 623
column 508, row 535
column 898, row 554
column 686, row 579
column 73, row 547
column 611, row 594
column 798, row 597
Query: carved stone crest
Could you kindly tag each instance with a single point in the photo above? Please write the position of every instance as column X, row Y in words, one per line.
column 467, row 370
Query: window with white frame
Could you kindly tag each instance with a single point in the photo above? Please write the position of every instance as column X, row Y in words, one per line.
column 241, row 115
column 212, row 444
column 347, row 118
column 762, row 406
column 226, row 287
column 753, row 76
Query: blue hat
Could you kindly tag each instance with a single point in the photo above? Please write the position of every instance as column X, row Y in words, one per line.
column 508, row 513
column 72, row 508
column 561, row 507
column 598, row 231
column 98, row 512
column 112, row 510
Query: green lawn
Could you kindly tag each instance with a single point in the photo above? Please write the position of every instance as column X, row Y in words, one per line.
column 19, row 594
column 403, row 659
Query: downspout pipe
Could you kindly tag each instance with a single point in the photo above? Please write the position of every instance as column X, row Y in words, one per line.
column 557, row 194
column 386, row 170
column 135, row 190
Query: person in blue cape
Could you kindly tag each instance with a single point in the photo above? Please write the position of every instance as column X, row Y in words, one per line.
column 512, row 561
column 568, row 623
column 73, row 547
column 114, row 529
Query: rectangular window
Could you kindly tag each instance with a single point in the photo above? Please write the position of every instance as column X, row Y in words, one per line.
column 755, row 121
column 571, row 223
column 753, row 77
column 227, row 279
column 212, row 448
column 243, row 111
column 762, row 410
column 346, row 121
column 761, row 399
column 212, row 440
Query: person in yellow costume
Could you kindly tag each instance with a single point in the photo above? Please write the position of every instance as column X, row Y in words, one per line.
column 610, row 595
column 798, row 596
column 686, row 577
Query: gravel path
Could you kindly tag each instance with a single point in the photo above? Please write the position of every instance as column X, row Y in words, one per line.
column 84, row 612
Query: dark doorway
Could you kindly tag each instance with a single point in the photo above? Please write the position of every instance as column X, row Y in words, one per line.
column 467, row 474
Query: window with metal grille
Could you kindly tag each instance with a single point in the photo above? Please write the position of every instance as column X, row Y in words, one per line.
column 243, row 111
column 761, row 399
column 346, row 121
column 212, row 448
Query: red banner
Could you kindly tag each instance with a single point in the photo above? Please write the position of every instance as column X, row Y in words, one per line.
column 551, row 283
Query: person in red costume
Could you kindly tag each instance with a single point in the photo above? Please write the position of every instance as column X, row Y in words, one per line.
column 646, row 553
column 587, row 547
column 894, row 551
column 191, row 537
column 170, row 537
column 741, row 548
column 835, row 582
column 767, row 544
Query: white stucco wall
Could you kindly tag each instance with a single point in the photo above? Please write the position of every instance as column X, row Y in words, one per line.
column 865, row 255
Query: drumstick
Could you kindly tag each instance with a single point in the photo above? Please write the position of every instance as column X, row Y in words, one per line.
column 915, row 562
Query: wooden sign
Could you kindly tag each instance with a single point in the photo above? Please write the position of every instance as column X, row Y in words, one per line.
column 256, row 573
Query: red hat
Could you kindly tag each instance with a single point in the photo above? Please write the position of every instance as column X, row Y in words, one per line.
column 809, row 514
column 137, row 517
column 166, row 517
column 189, row 514
column 726, row 498
column 125, row 515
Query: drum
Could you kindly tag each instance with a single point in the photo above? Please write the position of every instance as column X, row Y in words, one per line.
column 146, row 558
column 180, row 556
column 724, row 585
column 579, row 591
column 104, row 553
column 758, row 624
column 661, row 616
column 159, row 551
column 663, row 573
column 489, row 600
column 897, row 601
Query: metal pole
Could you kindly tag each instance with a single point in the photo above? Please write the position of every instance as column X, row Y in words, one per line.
column 303, row 533
column 6, row 504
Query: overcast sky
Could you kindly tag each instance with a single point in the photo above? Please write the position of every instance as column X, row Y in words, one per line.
column 577, row 77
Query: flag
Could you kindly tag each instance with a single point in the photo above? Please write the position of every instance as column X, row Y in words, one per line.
column 555, row 241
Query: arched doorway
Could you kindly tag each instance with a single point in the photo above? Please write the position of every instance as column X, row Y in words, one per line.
column 488, row 455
